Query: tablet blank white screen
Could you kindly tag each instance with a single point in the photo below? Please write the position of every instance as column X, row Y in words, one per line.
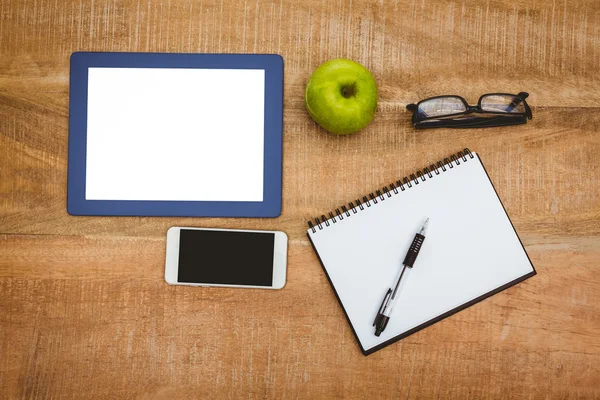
column 175, row 134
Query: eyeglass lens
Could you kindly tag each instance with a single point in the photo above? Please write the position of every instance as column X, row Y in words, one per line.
column 441, row 106
column 502, row 103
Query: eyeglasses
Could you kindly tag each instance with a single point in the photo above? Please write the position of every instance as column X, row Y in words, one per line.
column 492, row 109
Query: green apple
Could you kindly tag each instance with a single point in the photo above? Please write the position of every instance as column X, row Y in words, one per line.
column 341, row 96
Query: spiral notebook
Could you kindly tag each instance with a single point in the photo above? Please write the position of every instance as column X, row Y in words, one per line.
column 471, row 250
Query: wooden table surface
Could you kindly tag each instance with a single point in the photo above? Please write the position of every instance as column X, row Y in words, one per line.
column 84, row 309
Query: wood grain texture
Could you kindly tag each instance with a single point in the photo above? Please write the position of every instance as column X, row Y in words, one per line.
column 84, row 312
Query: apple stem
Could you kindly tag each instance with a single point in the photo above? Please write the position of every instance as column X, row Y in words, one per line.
column 349, row 90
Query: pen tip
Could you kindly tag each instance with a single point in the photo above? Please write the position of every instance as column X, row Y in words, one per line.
column 424, row 228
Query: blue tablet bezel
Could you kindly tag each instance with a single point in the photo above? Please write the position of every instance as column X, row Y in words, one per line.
column 271, row 204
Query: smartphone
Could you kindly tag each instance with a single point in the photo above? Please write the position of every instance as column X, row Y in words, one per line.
column 226, row 257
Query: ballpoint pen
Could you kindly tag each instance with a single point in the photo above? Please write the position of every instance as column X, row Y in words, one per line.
column 385, row 310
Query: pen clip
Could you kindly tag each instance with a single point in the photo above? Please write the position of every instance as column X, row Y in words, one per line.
column 379, row 313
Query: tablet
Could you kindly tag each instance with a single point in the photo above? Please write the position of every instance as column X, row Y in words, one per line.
column 175, row 134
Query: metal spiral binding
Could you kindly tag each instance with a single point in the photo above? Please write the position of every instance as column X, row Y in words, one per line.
column 389, row 190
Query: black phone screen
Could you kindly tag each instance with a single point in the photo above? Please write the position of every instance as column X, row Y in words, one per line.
column 226, row 257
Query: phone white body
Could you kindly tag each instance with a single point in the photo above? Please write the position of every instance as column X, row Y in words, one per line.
column 173, row 252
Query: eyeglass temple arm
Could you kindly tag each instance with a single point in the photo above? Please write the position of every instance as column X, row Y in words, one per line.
column 413, row 108
column 501, row 120
column 518, row 99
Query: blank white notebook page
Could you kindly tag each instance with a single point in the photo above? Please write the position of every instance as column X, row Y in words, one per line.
column 175, row 134
column 470, row 249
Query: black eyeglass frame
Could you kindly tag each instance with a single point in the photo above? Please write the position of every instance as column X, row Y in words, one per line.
column 501, row 119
